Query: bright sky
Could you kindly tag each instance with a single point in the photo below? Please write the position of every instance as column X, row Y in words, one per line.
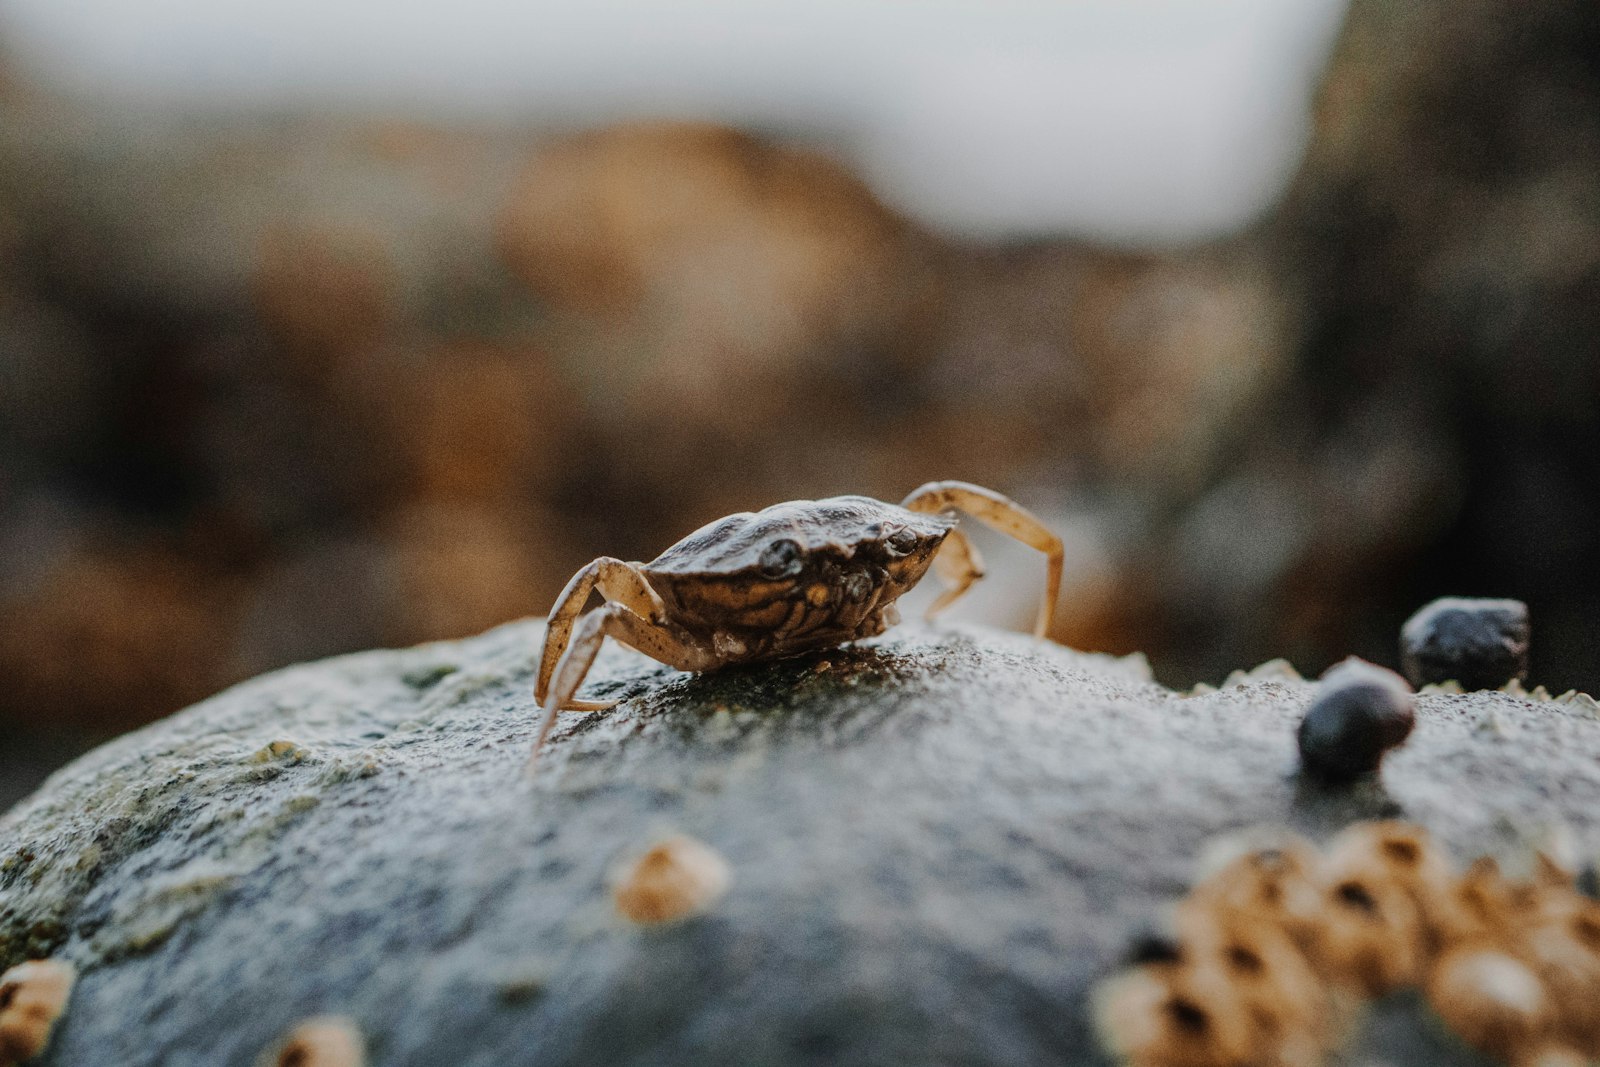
column 1127, row 119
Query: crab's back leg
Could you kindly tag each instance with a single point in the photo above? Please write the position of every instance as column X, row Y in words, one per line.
column 958, row 565
column 617, row 581
column 659, row 641
column 1005, row 515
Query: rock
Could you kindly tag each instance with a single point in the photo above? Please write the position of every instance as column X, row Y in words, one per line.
column 1431, row 253
column 1479, row 643
column 1361, row 712
column 934, row 847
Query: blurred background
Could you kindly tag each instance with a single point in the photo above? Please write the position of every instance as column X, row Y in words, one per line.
column 326, row 326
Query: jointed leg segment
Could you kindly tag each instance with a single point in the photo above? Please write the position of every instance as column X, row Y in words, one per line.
column 1000, row 513
column 958, row 565
column 618, row 582
column 658, row 640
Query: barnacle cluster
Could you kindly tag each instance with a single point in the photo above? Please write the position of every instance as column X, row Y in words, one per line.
column 1269, row 959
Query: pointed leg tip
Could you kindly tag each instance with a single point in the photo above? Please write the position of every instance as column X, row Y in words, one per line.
column 1041, row 627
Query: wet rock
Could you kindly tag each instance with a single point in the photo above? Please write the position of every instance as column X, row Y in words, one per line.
column 936, row 847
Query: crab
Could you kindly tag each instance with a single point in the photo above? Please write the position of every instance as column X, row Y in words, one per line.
column 791, row 578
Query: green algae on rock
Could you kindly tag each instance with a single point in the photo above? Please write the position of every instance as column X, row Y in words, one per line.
column 936, row 842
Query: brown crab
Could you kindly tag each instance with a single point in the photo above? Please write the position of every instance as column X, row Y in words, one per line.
column 793, row 577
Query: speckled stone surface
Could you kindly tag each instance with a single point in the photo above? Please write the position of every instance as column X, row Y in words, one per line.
column 937, row 840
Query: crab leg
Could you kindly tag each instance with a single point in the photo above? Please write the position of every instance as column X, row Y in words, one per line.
column 616, row 620
column 617, row 581
column 1005, row 515
column 958, row 565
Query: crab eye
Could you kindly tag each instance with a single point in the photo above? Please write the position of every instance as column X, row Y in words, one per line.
column 781, row 559
column 901, row 541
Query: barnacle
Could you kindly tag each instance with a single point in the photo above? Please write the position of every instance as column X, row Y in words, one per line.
column 1234, row 984
column 1400, row 856
column 324, row 1041
column 32, row 997
column 1286, row 1008
column 675, row 879
column 1279, row 884
column 1270, row 954
column 1491, row 998
column 1561, row 943
column 1370, row 937
column 1180, row 1014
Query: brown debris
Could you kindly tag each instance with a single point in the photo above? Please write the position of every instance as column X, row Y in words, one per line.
column 1274, row 951
column 324, row 1041
column 677, row 878
column 32, row 997
column 598, row 215
column 477, row 421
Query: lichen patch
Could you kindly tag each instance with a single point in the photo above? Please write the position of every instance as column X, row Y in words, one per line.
column 161, row 907
column 279, row 751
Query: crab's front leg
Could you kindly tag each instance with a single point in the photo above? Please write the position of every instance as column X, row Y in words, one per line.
column 617, row 581
column 658, row 640
column 1003, row 514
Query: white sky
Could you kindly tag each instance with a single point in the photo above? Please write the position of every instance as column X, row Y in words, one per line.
column 1126, row 119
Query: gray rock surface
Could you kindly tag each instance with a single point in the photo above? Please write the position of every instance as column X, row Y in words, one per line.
column 938, row 840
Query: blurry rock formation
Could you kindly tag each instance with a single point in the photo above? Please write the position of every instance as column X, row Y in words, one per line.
column 1439, row 259
column 272, row 389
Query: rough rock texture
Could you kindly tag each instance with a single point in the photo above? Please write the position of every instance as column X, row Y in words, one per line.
column 937, row 842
